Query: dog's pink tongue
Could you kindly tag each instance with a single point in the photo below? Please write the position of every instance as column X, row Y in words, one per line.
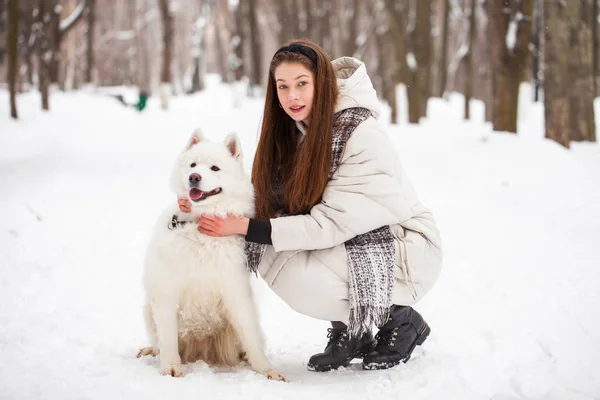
column 195, row 194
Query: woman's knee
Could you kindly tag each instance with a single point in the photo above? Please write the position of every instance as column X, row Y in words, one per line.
column 318, row 293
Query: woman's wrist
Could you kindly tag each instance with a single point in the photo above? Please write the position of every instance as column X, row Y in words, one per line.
column 244, row 222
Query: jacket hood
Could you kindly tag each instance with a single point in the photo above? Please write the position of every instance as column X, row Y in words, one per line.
column 355, row 86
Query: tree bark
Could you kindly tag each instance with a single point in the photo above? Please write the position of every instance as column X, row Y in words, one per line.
column 423, row 51
column 143, row 78
column 324, row 28
column 385, row 71
column 222, row 53
column 91, row 25
column 59, row 29
column 443, row 66
column 44, row 50
column 469, row 59
column 508, row 64
column 353, row 29
column 239, row 40
column 3, row 28
column 295, row 18
column 256, row 44
column 12, row 38
column 581, row 72
column 308, row 18
column 537, row 50
column 595, row 45
column 167, row 52
column 286, row 29
column 400, row 72
column 556, row 71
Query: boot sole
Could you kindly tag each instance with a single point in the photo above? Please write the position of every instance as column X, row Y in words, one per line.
column 325, row 368
column 419, row 341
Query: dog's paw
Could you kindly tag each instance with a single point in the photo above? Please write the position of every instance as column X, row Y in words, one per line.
column 173, row 370
column 274, row 375
column 146, row 351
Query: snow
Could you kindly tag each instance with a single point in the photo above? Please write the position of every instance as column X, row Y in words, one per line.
column 411, row 61
column 512, row 315
column 511, row 33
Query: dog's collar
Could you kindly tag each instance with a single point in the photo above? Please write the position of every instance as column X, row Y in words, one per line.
column 176, row 223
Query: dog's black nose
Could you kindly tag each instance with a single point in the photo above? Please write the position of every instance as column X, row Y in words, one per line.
column 195, row 178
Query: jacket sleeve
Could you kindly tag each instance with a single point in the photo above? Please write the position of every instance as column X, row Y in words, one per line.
column 362, row 195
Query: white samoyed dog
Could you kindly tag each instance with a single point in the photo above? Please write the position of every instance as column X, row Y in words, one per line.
column 199, row 302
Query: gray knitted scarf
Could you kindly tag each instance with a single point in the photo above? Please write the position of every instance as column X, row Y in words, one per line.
column 371, row 255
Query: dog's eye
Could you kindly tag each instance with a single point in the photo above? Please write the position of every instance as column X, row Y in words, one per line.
column 193, row 165
column 215, row 168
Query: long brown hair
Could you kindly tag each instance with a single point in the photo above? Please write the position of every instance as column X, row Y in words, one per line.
column 298, row 171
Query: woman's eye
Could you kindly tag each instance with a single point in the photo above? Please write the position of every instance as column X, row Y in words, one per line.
column 281, row 87
column 193, row 165
column 302, row 83
column 215, row 168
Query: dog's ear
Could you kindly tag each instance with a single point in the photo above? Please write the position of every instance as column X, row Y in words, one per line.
column 196, row 138
column 232, row 141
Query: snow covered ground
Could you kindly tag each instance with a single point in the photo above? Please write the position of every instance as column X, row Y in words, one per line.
column 514, row 315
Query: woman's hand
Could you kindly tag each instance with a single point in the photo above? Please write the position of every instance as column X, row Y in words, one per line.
column 184, row 204
column 215, row 226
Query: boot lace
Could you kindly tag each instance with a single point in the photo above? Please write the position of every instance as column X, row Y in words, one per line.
column 336, row 337
column 387, row 337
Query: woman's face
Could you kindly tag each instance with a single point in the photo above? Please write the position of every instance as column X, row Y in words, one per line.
column 295, row 89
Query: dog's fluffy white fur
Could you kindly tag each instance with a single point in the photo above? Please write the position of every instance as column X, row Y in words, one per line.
column 199, row 302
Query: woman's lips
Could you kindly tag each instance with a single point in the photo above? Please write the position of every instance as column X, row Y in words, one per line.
column 296, row 109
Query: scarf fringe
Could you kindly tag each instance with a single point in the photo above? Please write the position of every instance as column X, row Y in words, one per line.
column 362, row 318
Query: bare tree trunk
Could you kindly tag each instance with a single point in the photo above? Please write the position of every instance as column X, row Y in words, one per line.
column 59, row 29
column 222, row 54
column 537, row 49
column 167, row 55
column 44, row 51
column 353, row 29
column 143, row 78
column 324, row 28
column 308, row 18
column 286, row 29
column 556, row 71
column 295, row 18
column 398, row 18
column 423, row 52
column 443, row 66
column 3, row 28
column 595, row 42
column 386, row 66
column 581, row 72
column 12, row 39
column 91, row 22
column 508, row 59
column 28, row 29
column 469, row 60
column 239, row 41
column 256, row 44
column 489, row 93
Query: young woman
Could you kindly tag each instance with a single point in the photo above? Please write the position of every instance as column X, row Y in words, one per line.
column 339, row 232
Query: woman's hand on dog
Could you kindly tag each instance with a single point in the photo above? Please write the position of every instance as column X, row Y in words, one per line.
column 185, row 204
column 216, row 226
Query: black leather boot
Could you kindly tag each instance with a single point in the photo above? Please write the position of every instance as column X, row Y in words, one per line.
column 341, row 349
column 396, row 340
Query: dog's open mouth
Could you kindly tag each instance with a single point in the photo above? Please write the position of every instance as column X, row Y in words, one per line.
column 198, row 195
